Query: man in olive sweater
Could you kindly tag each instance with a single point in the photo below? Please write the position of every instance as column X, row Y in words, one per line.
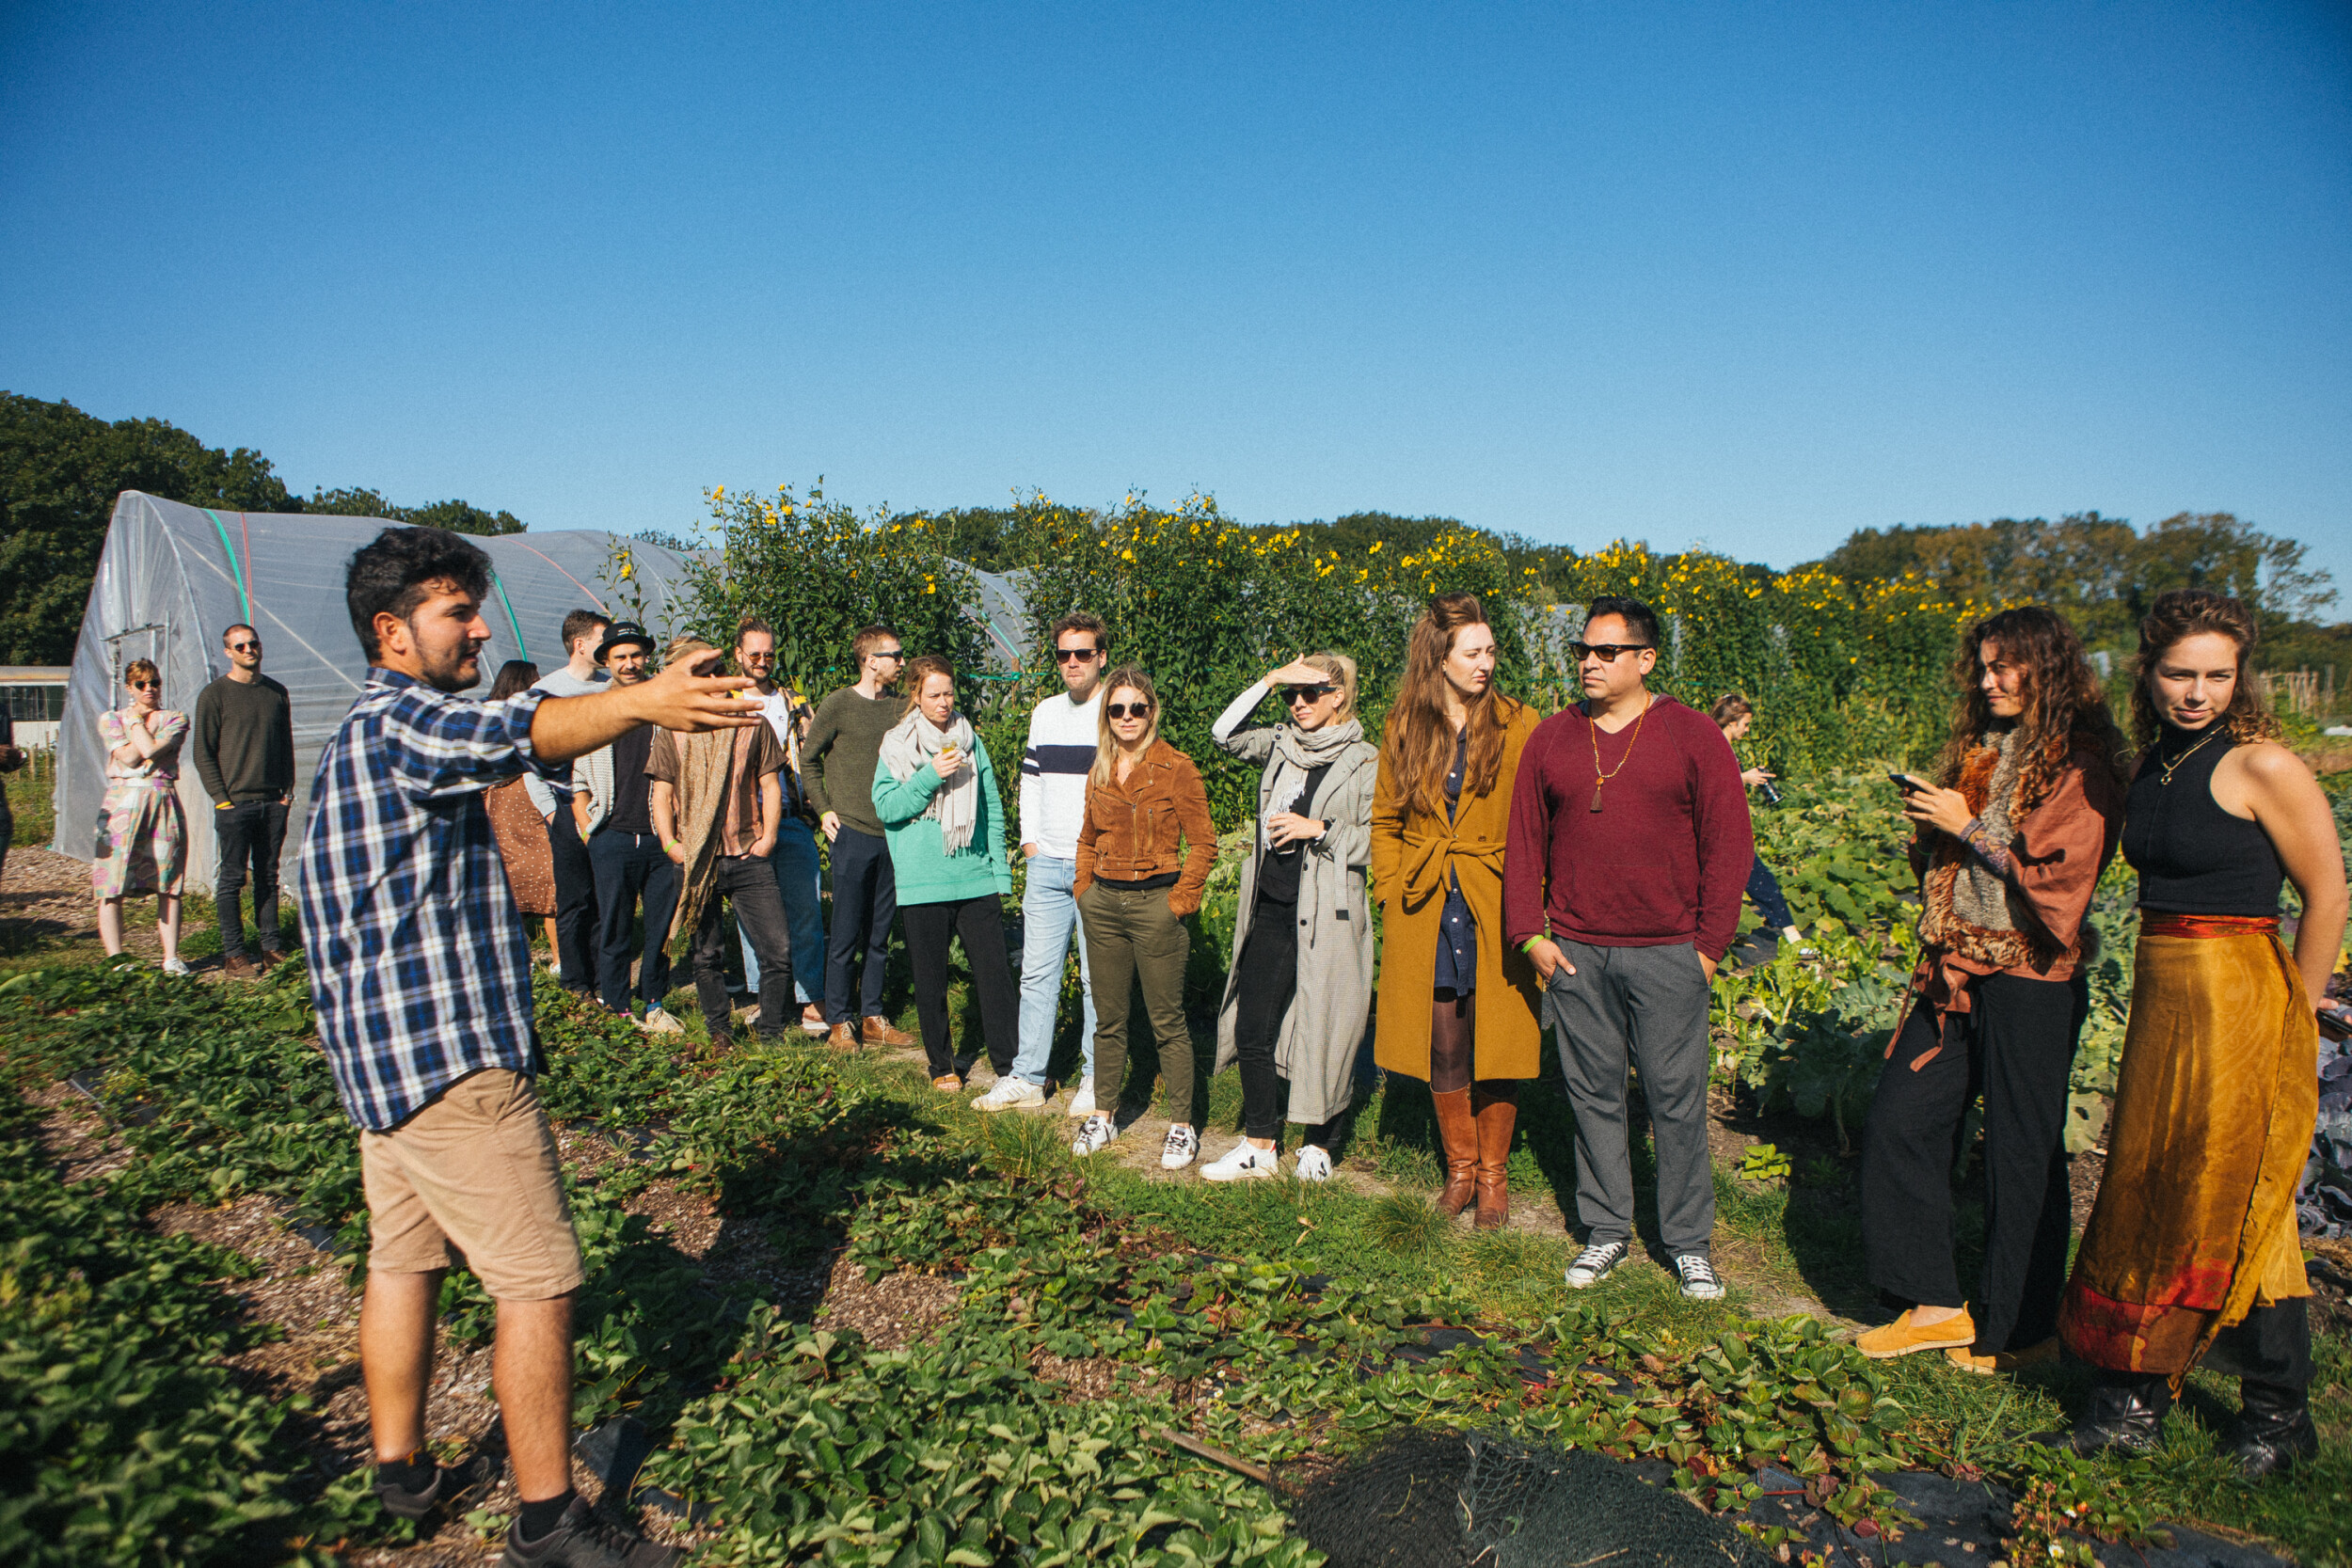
column 838, row 764
column 244, row 755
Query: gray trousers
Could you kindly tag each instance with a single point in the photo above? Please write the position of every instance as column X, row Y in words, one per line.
column 1648, row 1004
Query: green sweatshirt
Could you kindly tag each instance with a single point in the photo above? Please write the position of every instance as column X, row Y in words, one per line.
column 244, row 740
column 837, row 760
column 925, row 872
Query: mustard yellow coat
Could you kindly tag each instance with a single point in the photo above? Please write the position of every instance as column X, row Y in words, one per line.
column 1411, row 855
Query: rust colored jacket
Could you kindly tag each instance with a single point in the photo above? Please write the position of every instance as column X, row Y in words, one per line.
column 1131, row 829
column 1413, row 855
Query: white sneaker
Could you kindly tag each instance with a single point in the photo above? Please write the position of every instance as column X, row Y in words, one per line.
column 1082, row 1099
column 1099, row 1131
column 658, row 1021
column 176, row 966
column 813, row 1023
column 1315, row 1164
column 1011, row 1093
column 555, row 968
column 1244, row 1160
column 1698, row 1277
column 1181, row 1149
column 1593, row 1264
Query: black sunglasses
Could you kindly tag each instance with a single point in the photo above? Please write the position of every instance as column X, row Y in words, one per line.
column 1124, row 710
column 147, row 686
column 887, row 653
column 245, row 647
column 1071, row 656
column 1307, row 693
column 1606, row 651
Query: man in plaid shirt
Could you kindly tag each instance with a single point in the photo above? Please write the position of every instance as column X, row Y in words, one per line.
column 421, row 971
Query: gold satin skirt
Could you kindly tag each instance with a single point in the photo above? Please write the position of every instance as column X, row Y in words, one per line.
column 2215, row 1102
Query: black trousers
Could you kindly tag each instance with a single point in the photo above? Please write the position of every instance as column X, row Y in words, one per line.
column 629, row 867
column 865, row 902
column 247, row 838
column 2015, row 1047
column 750, row 885
column 981, row 922
column 2271, row 1348
column 577, row 940
column 1265, row 980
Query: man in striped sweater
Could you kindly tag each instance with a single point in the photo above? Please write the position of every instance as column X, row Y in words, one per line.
column 1064, row 732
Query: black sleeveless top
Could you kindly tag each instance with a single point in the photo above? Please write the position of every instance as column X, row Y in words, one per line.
column 2194, row 858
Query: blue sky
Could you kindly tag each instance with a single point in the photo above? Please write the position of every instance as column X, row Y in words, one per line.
column 1747, row 275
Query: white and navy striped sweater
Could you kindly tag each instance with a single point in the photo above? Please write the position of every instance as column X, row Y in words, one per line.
column 1062, row 737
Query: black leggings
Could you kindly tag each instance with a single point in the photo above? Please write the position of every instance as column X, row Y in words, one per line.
column 1453, row 1032
column 1265, row 980
column 980, row 923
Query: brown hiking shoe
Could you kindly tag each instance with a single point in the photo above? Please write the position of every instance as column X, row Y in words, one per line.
column 238, row 967
column 843, row 1036
column 880, row 1031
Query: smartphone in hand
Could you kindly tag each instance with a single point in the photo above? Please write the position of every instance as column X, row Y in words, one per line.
column 1905, row 782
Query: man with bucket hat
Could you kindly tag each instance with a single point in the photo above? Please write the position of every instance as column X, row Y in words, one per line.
column 613, row 805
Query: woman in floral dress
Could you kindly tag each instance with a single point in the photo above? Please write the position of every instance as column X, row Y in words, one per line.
column 142, row 834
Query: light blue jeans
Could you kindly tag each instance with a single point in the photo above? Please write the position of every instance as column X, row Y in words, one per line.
column 1049, row 918
column 798, row 881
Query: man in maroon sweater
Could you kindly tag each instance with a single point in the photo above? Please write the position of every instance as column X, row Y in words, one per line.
column 1627, row 856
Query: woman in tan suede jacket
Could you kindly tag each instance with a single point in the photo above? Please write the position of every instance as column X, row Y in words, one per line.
column 1135, row 889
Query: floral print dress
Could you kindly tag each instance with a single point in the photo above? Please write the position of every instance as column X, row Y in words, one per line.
column 142, row 834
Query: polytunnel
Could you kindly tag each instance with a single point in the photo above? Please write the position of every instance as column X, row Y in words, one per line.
column 172, row 578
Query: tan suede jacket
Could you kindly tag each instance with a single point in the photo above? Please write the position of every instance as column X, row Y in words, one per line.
column 1131, row 829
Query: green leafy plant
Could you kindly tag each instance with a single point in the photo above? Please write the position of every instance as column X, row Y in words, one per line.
column 1764, row 1163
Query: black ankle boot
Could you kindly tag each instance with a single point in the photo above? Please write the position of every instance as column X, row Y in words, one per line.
column 2273, row 1433
column 2126, row 1411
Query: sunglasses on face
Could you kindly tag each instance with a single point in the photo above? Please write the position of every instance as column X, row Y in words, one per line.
column 245, row 647
column 1306, row 693
column 147, row 686
column 887, row 653
column 1076, row 655
column 1606, row 651
column 1128, row 710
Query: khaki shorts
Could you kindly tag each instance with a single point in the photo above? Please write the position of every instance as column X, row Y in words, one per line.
column 476, row 1169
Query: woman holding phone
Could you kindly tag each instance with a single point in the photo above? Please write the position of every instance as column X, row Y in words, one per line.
column 2008, row 841
column 2192, row 1253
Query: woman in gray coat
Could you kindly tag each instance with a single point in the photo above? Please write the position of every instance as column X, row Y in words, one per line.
column 1300, row 987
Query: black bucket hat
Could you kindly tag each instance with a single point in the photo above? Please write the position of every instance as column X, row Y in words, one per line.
column 620, row 633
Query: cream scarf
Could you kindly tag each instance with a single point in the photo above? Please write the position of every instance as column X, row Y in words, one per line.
column 913, row 742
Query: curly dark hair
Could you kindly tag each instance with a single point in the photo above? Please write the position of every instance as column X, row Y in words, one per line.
column 2185, row 612
column 391, row 574
column 2066, row 708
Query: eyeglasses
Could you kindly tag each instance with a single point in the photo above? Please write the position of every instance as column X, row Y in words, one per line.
column 1128, row 710
column 147, row 686
column 758, row 658
column 1306, row 693
column 1606, row 651
column 245, row 647
column 1074, row 656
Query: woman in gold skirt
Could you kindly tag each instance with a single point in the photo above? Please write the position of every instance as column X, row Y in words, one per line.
column 2191, row 1254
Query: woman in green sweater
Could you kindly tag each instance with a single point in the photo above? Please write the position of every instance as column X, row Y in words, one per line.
column 935, row 792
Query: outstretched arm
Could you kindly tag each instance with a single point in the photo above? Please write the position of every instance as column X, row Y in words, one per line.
column 676, row 699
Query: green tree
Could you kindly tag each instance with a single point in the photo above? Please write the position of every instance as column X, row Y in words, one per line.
column 455, row 516
column 60, row 470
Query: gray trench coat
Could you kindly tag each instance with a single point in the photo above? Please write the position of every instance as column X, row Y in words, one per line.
column 1324, row 1030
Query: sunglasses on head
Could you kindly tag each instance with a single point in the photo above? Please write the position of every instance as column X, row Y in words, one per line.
column 1128, row 710
column 1606, row 651
column 1074, row 655
column 1307, row 693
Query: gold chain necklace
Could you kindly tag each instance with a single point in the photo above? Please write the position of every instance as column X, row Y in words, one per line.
column 2165, row 770
column 1600, row 778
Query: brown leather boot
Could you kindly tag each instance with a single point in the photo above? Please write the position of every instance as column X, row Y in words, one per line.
column 1459, row 1136
column 1495, row 1106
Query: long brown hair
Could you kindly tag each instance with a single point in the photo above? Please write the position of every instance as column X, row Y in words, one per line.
column 515, row 676
column 2065, row 706
column 2185, row 612
column 1126, row 677
column 1417, row 743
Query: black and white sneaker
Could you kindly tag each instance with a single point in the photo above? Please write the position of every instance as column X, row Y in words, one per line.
column 1594, row 1263
column 1181, row 1149
column 477, row 1472
column 1698, row 1277
column 1097, row 1131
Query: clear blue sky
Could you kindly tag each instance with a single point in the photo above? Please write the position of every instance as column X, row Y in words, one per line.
column 1747, row 275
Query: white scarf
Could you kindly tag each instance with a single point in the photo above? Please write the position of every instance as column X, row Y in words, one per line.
column 1297, row 753
column 913, row 742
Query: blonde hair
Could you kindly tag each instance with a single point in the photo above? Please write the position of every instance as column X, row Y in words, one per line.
column 138, row 667
column 1342, row 670
column 1127, row 677
column 682, row 647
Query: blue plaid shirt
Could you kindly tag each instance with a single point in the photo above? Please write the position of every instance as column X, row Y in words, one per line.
column 420, row 967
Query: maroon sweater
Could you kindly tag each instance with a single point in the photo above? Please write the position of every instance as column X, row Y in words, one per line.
column 1664, row 860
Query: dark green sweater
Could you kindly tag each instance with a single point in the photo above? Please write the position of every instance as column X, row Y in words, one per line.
column 245, row 741
column 843, row 747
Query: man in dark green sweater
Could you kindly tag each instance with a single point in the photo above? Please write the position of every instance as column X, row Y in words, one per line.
column 838, row 763
column 244, row 755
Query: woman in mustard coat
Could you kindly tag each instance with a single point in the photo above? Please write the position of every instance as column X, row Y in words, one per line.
column 1458, row 1003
